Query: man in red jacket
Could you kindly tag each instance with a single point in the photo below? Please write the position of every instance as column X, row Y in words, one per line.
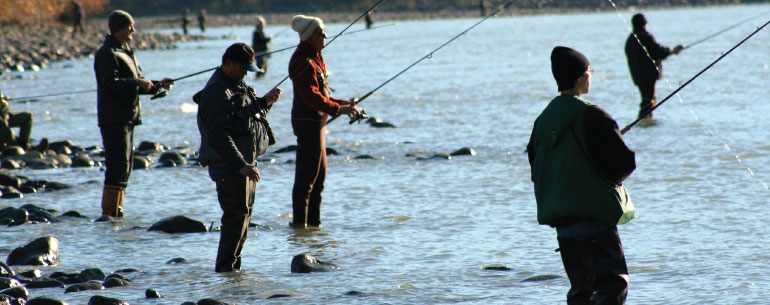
column 310, row 111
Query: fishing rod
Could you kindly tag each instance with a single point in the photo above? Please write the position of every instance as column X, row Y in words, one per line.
column 50, row 95
column 338, row 35
column 294, row 46
column 429, row 55
column 162, row 94
column 723, row 30
column 625, row 129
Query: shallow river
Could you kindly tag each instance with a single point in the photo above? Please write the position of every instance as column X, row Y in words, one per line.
column 417, row 232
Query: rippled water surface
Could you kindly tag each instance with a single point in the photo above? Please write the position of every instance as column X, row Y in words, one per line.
column 417, row 232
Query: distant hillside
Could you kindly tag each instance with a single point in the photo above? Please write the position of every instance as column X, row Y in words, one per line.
column 175, row 7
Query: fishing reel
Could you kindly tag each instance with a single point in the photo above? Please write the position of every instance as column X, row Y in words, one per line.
column 160, row 94
column 361, row 116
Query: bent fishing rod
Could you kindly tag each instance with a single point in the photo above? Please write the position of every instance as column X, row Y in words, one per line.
column 336, row 36
column 627, row 128
column 429, row 55
column 723, row 30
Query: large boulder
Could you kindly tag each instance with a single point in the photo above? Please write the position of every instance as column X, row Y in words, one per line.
column 171, row 158
column 83, row 160
column 9, row 180
column 44, row 283
column 178, row 224
column 39, row 214
column 43, row 251
column 11, row 214
column 91, row 274
column 17, row 292
column 304, row 263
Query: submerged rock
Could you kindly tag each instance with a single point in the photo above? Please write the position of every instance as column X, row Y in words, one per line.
column 178, row 224
column 289, row 148
column 43, row 251
column 83, row 287
column 304, row 263
column 18, row 292
column 540, row 278
column 465, row 151
column 7, row 282
column 44, row 283
column 496, row 268
column 152, row 294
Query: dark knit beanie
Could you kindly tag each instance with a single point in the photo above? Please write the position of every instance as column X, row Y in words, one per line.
column 567, row 66
column 118, row 20
column 638, row 21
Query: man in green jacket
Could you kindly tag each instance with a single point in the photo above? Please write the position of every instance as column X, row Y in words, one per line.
column 579, row 161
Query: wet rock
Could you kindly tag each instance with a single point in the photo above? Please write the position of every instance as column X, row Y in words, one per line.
column 45, row 301
column 9, row 300
column 141, row 163
column 147, row 146
column 436, row 156
column 152, row 294
column 58, row 145
column 356, row 293
column 63, row 150
column 177, row 260
column 172, row 156
column 26, row 189
column 63, row 160
column 55, row 186
column 32, row 274
column 304, row 263
column 178, row 224
column 9, row 180
column 91, row 274
column 496, row 268
column 83, row 160
column 127, row 270
column 114, row 275
column 18, row 292
column 115, row 282
column 42, row 164
column 382, row 125
column 9, row 192
column 83, row 287
column 289, row 148
column 465, row 151
column 13, row 214
column 39, row 214
column 540, row 278
column 106, row 218
column 10, row 164
column 210, row 302
column 73, row 279
column 6, row 271
column 73, row 214
column 100, row 300
column 12, row 151
column 364, row 157
column 331, row 151
column 278, row 296
column 7, row 282
column 44, row 283
column 43, row 251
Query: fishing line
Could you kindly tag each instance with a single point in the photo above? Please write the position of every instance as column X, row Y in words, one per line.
column 695, row 117
column 428, row 56
column 21, row 99
column 723, row 30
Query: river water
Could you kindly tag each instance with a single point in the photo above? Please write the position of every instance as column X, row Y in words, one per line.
column 405, row 231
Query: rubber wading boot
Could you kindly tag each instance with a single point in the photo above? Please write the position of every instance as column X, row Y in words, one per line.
column 112, row 201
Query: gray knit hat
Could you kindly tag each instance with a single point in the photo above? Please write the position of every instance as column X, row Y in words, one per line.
column 118, row 20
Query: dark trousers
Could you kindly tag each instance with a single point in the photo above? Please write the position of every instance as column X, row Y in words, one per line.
column 310, row 172
column 596, row 268
column 647, row 91
column 21, row 119
column 118, row 143
column 236, row 198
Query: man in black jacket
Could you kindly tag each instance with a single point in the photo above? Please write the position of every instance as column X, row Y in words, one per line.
column 119, row 82
column 645, row 62
column 234, row 130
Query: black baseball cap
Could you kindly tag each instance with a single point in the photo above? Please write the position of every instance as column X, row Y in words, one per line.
column 242, row 54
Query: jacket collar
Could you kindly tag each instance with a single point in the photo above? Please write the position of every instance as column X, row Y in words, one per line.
column 115, row 44
column 222, row 78
column 307, row 50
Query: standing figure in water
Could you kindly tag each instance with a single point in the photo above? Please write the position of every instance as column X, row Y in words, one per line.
column 309, row 113
column 646, row 62
column 579, row 161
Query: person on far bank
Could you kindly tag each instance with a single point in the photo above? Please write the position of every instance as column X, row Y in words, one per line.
column 202, row 20
column 119, row 82
column 234, row 130
column 261, row 44
column 310, row 110
column 78, row 13
column 578, row 163
column 185, row 21
column 646, row 66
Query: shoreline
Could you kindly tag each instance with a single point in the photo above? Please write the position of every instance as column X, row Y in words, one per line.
column 33, row 47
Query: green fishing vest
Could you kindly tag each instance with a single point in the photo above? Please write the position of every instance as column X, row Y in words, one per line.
column 566, row 182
